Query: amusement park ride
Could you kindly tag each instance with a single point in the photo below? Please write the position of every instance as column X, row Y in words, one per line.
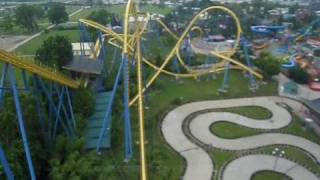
column 48, row 82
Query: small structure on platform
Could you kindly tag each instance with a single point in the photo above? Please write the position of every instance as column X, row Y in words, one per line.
column 79, row 48
column 85, row 65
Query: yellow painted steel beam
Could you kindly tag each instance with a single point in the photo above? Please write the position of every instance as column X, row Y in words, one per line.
column 183, row 36
column 42, row 71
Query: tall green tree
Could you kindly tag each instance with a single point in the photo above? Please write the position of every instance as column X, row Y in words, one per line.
column 299, row 75
column 101, row 16
column 269, row 64
column 27, row 16
column 7, row 23
column 57, row 13
column 55, row 51
column 83, row 102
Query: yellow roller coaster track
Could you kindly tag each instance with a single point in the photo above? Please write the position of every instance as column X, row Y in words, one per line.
column 42, row 71
column 130, row 42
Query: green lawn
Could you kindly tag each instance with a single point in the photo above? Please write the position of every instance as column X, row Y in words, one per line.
column 31, row 47
column 229, row 130
column 254, row 112
column 167, row 93
column 270, row 175
column 71, row 9
column 221, row 158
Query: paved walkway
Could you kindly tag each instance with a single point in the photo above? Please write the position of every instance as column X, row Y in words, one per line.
column 244, row 167
column 304, row 92
column 199, row 164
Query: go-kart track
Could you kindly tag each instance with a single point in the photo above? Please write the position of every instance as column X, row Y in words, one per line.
column 199, row 164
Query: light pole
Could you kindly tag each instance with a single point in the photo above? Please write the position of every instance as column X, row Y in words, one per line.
column 277, row 153
column 307, row 122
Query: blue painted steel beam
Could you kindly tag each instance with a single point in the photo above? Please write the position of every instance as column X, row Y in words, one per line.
column 70, row 108
column 25, row 79
column 37, row 95
column 247, row 58
column 51, row 103
column 60, row 102
column 61, row 93
column 2, row 81
column 127, row 121
column 107, row 117
column 226, row 76
column 21, row 123
column 9, row 88
column 5, row 165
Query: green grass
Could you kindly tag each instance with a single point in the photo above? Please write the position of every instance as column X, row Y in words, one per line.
column 164, row 162
column 229, row 130
column 269, row 175
column 254, row 112
column 71, row 9
column 31, row 47
column 298, row 128
column 295, row 154
column 291, row 153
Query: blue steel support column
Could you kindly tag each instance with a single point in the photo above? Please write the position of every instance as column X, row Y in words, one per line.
column 61, row 92
column 25, row 79
column 37, row 95
column 70, row 108
column 176, row 65
column 251, row 77
column 51, row 103
column 127, row 121
column 58, row 113
column 5, row 165
column 3, row 79
column 225, row 78
column 107, row 116
column 21, row 123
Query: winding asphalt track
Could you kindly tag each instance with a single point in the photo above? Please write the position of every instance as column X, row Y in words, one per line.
column 199, row 164
column 243, row 167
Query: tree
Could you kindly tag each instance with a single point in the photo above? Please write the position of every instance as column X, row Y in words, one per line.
column 27, row 15
column 55, row 51
column 268, row 64
column 7, row 23
column 83, row 102
column 10, row 137
column 57, row 13
column 101, row 16
column 299, row 75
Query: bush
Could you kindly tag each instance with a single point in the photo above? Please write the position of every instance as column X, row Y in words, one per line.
column 56, row 51
column 83, row 102
column 176, row 101
column 299, row 75
column 268, row 64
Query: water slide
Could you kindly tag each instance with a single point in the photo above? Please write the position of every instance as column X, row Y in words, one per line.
column 307, row 30
column 291, row 63
column 40, row 70
column 266, row 30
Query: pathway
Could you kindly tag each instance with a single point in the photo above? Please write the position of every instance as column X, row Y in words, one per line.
column 39, row 33
column 199, row 164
